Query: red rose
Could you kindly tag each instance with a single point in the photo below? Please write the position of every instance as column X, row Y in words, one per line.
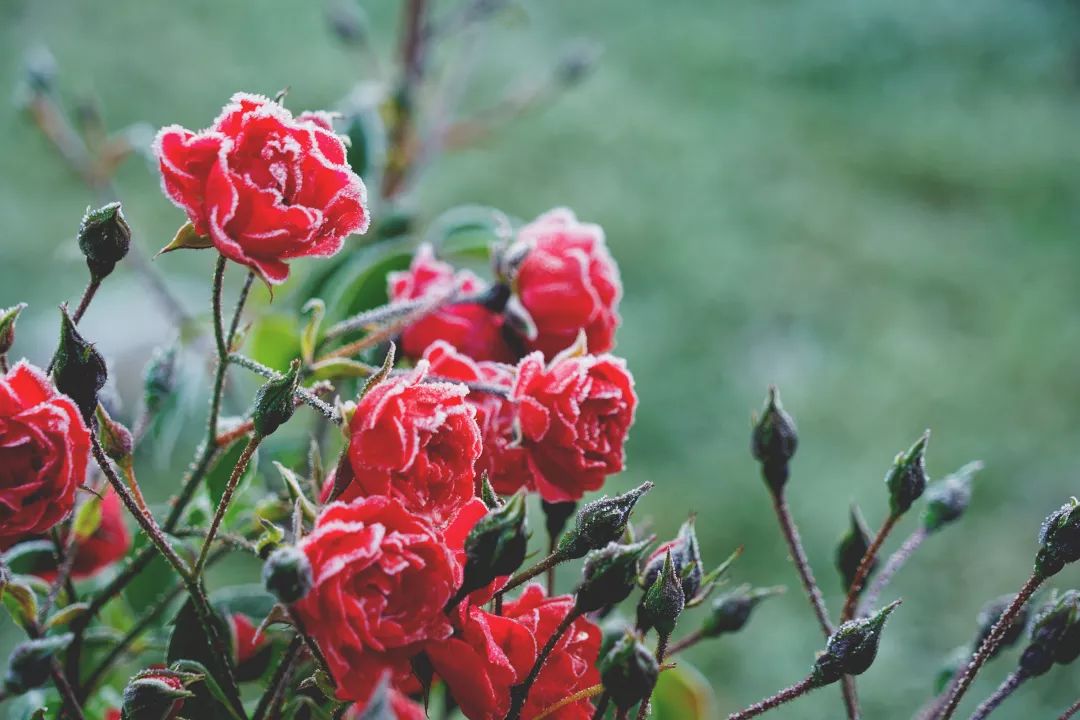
column 486, row 656
column 503, row 458
column 454, row 536
column 574, row 415
column 44, row 449
column 112, row 715
column 571, row 667
column 105, row 546
column 568, row 282
column 471, row 328
column 263, row 185
column 416, row 441
column 381, row 578
column 251, row 651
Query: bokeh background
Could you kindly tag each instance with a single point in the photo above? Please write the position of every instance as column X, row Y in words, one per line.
column 873, row 205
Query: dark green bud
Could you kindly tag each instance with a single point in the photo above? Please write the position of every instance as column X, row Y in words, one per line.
column 496, row 545
column 8, row 317
column 159, row 378
column 1069, row 647
column 156, row 694
column 275, row 402
column 286, row 574
column 30, row 663
column 852, row 548
column 1048, row 629
column 663, row 601
column 556, row 515
column 906, row 478
column 600, row 522
column 1059, row 540
column 731, row 611
column 612, row 631
column 774, row 441
column 948, row 498
column 851, row 648
column 487, row 493
column 988, row 617
column 686, row 554
column 104, row 238
column 629, row 672
column 80, row 371
column 609, row 576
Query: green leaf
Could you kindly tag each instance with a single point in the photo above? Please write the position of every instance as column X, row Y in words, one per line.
column 189, row 642
column 275, row 340
column 66, row 615
column 468, row 231
column 682, row 694
column 156, row 579
column 251, row 600
column 218, row 476
column 87, row 518
column 29, row 557
column 20, row 601
column 296, row 492
column 365, row 286
column 187, row 238
column 28, row 706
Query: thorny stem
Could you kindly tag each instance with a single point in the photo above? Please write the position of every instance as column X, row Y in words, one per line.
column 84, row 303
column 277, row 684
column 234, row 325
column 520, row 693
column 65, row 561
column 769, row 703
column 528, row 574
column 689, row 641
column 303, row 394
column 1004, row 690
column 1073, row 709
column 850, row 693
column 215, row 298
column 865, row 565
column 989, row 645
column 802, row 565
column 309, row 641
column 892, row 566
column 661, row 652
column 226, row 498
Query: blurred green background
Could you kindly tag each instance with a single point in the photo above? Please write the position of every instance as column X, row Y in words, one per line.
column 873, row 205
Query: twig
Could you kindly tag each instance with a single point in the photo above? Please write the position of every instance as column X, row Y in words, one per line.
column 892, row 566
column 520, row 693
column 276, row 687
column 528, row 574
column 769, row 703
column 226, row 498
column 303, row 394
column 802, row 565
column 1073, row 709
column 865, row 565
column 1004, row 690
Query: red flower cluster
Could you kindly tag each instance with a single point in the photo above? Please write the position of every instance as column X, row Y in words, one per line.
column 44, row 450
column 109, row 542
column 263, row 185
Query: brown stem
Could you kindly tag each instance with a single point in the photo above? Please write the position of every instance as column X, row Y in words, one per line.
column 87, row 298
column 802, row 565
column 689, row 641
column 850, row 693
column 989, row 645
column 520, row 693
column 1004, row 690
column 892, row 566
column 1073, row 709
column 276, row 687
column 769, row 703
column 226, row 498
column 865, row 565
column 529, row 573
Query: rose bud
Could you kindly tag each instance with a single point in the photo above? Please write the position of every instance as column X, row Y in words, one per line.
column 495, row 546
column 988, row 617
column 612, row 631
column 116, row 440
column 275, row 402
column 251, row 649
column 287, row 574
column 44, row 451
column 159, row 379
column 556, row 515
column 852, row 548
column 1059, row 540
column 30, row 663
column 1048, row 630
column 731, row 611
column 948, row 498
column 629, row 672
column 8, row 318
column 851, row 648
column 663, row 601
column 773, row 441
column 600, row 522
column 156, row 694
column 80, row 371
column 609, row 576
column 685, row 554
column 906, row 478
column 104, row 238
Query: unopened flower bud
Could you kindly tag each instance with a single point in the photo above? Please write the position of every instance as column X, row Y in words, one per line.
column 577, row 62
column 556, row 515
column 1059, row 539
column 8, row 317
column 852, row 548
column 274, row 403
column 31, row 662
column 685, row 554
column 286, row 574
column 116, row 440
column 731, row 611
column 948, row 498
column 629, row 672
column 663, row 601
column 156, row 694
column 988, row 617
column 612, row 630
column 1047, row 632
column 600, row 522
column 104, row 238
column 774, row 441
column 80, row 371
column 159, row 378
column 496, row 545
column 851, row 648
column 906, row 478
column 609, row 576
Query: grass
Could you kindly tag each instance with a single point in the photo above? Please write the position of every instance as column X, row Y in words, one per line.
column 871, row 204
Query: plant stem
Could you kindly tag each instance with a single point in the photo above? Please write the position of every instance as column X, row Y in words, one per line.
column 689, row 641
column 865, row 565
column 802, row 565
column 553, row 544
column 520, row 693
column 984, row 652
column 303, row 394
column 850, row 693
column 215, row 301
column 226, row 498
column 661, row 652
column 65, row 561
column 277, row 682
column 892, row 566
column 1073, row 709
column 528, row 574
column 234, row 324
column 785, row 695
column 1004, row 690
column 84, row 303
